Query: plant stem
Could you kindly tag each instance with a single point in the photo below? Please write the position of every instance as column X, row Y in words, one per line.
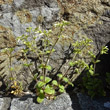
column 61, row 28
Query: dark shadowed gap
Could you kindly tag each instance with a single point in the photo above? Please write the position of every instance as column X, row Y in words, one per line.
column 104, row 65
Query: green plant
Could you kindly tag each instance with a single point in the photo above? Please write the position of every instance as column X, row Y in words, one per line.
column 92, row 81
column 17, row 88
column 15, row 85
column 39, row 42
column 47, row 87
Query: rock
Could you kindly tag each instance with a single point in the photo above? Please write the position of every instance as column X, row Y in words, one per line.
column 18, row 3
column 5, row 103
column 100, row 34
column 107, row 105
column 84, row 16
column 87, row 103
column 7, row 38
column 15, row 17
column 62, row 102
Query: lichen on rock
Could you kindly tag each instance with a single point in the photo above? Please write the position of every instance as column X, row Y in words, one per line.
column 24, row 16
column 7, row 38
column 5, row 2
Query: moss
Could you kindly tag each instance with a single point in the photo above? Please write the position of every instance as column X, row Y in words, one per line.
column 24, row 16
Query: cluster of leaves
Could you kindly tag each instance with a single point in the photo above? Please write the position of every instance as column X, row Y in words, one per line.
column 38, row 42
column 50, row 90
column 17, row 88
column 45, row 86
column 92, row 81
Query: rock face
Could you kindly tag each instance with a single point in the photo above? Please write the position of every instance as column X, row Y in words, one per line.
column 89, row 17
column 63, row 102
column 86, row 103
column 5, row 103
column 15, row 17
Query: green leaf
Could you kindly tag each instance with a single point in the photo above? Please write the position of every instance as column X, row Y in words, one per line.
column 48, row 51
column 65, row 79
column 70, row 83
column 41, row 91
column 60, row 75
column 91, row 67
column 41, row 77
column 11, row 49
column 53, row 50
column 40, row 98
column 40, row 84
column 61, row 90
column 71, row 63
column 47, row 79
column 54, row 82
column 61, row 87
column 76, row 70
column 41, row 66
column 104, row 50
column 29, row 29
column 97, row 61
column 49, row 67
column 11, row 69
column 91, row 72
column 49, row 90
column 35, row 76
column 25, row 64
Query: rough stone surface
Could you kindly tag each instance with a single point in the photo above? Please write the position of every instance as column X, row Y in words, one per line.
column 16, row 16
column 5, row 103
column 63, row 102
column 86, row 103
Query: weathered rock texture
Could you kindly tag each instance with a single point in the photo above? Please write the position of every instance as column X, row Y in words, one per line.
column 88, row 17
column 15, row 17
column 86, row 103
column 63, row 102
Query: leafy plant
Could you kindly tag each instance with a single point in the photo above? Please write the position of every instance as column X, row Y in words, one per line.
column 17, row 88
column 14, row 85
column 38, row 42
column 92, row 81
column 45, row 85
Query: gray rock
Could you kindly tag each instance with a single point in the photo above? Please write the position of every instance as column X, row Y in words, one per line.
column 18, row 3
column 86, row 103
column 63, row 102
column 100, row 34
column 5, row 103
column 6, row 8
